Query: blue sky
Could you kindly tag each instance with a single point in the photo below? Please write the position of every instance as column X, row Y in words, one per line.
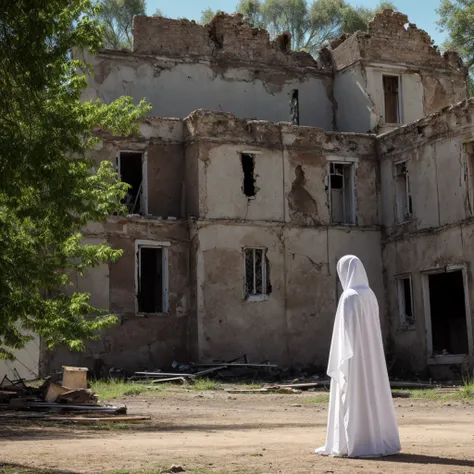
column 420, row 12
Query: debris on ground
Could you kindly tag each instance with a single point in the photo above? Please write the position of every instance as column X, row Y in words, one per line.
column 71, row 395
column 232, row 369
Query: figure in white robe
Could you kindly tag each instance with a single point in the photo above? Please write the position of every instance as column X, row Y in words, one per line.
column 361, row 420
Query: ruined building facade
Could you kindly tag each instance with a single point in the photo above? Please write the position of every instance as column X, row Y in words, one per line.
column 259, row 168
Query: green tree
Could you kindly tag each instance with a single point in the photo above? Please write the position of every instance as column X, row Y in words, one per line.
column 457, row 19
column 48, row 187
column 116, row 17
column 206, row 16
column 311, row 24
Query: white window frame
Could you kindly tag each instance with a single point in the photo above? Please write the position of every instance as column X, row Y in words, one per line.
column 404, row 324
column 263, row 296
column 351, row 164
column 400, row 100
column 400, row 217
column 139, row 244
column 144, row 189
column 451, row 358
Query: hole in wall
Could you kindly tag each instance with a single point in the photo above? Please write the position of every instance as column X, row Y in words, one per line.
column 248, row 167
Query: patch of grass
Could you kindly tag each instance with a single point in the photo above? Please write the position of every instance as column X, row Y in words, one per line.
column 466, row 392
column 322, row 397
column 112, row 389
column 206, row 384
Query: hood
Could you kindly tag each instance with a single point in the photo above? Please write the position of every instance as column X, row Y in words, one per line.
column 351, row 273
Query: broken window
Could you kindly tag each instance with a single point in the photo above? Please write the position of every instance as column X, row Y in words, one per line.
column 405, row 302
column 402, row 182
column 391, row 99
column 130, row 168
column 295, row 107
column 152, row 279
column 248, row 167
column 469, row 174
column 341, row 188
column 257, row 281
column 448, row 313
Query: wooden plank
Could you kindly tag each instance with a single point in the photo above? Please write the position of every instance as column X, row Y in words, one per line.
column 160, row 374
column 172, row 379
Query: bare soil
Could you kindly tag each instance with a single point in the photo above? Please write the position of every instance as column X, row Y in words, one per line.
column 244, row 433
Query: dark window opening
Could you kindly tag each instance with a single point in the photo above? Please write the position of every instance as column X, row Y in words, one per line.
column 448, row 313
column 150, row 280
column 341, row 187
column 391, row 98
column 257, row 276
column 405, row 302
column 295, row 108
column 404, row 201
column 248, row 167
column 131, row 172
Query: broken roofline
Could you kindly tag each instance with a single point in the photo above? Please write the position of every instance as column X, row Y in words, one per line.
column 453, row 119
column 222, row 127
column 390, row 38
column 225, row 37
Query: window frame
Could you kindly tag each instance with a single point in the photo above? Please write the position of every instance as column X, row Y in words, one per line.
column 264, row 295
column 144, row 190
column 403, row 317
column 164, row 246
column 351, row 165
column 399, row 100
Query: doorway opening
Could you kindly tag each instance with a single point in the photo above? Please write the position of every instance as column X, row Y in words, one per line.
column 448, row 313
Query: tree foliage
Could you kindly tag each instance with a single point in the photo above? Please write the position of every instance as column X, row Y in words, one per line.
column 310, row 24
column 457, row 19
column 48, row 188
column 116, row 17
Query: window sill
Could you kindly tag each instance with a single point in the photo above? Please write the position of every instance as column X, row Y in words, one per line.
column 447, row 359
column 256, row 298
column 407, row 328
column 153, row 315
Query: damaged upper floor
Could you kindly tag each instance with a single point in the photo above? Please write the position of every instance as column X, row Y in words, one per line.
column 216, row 166
column 368, row 82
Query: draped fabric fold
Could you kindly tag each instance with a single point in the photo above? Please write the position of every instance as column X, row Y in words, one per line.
column 361, row 421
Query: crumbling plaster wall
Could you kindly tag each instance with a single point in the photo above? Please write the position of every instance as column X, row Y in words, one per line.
column 293, row 326
column 441, row 228
column 291, row 169
column 136, row 342
column 429, row 81
column 179, row 66
column 162, row 142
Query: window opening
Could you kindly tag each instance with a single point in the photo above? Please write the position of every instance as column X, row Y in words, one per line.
column 152, row 284
column 391, row 98
column 405, row 302
column 469, row 174
column 131, row 172
column 248, row 167
column 295, row 107
column 257, row 281
column 448, row 313
column 404, row 203
column 341, row 184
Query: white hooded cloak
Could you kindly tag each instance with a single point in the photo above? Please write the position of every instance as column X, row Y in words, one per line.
column 361, row 420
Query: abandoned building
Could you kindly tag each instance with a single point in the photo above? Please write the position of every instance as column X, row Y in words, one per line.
column 258, row 169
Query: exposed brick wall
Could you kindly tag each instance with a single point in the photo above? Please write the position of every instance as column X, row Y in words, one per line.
column 225, row 37
column 392, row 39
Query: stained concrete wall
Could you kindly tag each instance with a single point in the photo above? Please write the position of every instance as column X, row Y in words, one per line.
column 291, row 169
column 179, row 67
column 137, row 341
column 293, row 326
column 440, row 230
column 429, row 81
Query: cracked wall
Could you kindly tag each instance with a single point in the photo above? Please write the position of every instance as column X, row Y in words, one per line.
column 440, row 229
column 429, row 81
column 178, row 68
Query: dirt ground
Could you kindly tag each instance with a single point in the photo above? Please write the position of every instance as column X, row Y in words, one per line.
column 247, row 434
